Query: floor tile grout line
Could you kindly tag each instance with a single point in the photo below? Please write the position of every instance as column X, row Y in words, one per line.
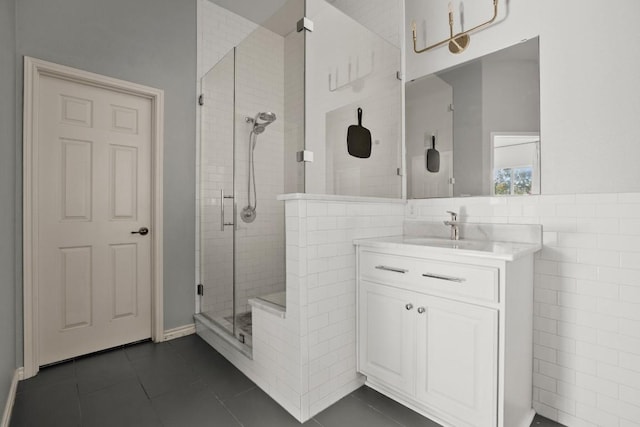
column 376, row 409
column 317, row 422
column 78, row 402
column 229, row 411
column 240, row 393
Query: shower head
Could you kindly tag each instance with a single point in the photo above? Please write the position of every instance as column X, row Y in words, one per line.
column 266, row 117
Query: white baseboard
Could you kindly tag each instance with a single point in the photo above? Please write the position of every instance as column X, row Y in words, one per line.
column 180, row 331
column 11, row 398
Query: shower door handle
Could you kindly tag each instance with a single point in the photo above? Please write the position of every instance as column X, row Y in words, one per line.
column 221, row 210
column 222, row 197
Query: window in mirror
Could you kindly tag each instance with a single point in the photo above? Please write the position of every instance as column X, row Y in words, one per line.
column 515, row 164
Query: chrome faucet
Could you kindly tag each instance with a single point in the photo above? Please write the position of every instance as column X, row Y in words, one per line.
column 453, row 223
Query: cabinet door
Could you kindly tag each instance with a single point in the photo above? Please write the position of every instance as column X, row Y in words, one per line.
column 387, row 334
column 457, row 362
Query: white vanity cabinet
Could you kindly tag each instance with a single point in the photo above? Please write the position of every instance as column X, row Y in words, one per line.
column 449, row 336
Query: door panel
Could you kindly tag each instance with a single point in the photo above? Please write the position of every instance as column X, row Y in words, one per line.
column 457, row 360
column 76, row 173
column 124, row 262
column 94, row 186
column 386, row 336
column 77, row 286
column 123, row 180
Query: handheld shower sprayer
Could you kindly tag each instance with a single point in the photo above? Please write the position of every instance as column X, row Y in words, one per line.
column 260, row 122
column 266, row 119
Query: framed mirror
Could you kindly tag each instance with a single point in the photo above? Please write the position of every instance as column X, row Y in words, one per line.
column 479, row 123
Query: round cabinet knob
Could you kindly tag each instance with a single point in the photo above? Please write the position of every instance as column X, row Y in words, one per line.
column 408, row 306
column 421, row 310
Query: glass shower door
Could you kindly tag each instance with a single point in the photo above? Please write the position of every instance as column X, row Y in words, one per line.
column 217, row 205
column 252, row 126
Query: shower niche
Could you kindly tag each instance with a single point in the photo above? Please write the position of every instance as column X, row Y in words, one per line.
column 243, row 168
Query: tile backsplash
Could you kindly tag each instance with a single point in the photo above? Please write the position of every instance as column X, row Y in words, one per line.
column 586, row 298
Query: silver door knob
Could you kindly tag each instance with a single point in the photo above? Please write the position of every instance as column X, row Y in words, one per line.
column 421, row 310
column 143, row 231
column 408, row 306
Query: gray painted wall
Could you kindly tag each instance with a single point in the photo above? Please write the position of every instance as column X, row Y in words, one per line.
column 151, row 42
column 7, row 196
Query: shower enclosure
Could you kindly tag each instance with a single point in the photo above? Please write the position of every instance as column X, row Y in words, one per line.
column 247, row 158
column 277, row 93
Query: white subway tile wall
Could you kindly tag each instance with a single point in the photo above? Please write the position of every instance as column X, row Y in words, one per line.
column 321, row 287
column 587, row 299
column 219, row 30
column 259, row 246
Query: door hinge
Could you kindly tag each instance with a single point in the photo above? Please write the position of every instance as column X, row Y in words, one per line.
column 304, row 156
column 200, row 289
column 304, row 24
column 201, row 99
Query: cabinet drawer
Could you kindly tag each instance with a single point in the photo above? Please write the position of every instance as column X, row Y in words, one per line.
column 457, row 280
column 448, row 279
column 387, row 268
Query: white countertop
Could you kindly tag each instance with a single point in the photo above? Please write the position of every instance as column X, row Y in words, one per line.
column 507, row 251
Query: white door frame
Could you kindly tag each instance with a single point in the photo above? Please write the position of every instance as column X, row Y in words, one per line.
column 34, row 69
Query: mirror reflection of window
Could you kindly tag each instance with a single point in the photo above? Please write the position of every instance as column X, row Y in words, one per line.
column 515, row 164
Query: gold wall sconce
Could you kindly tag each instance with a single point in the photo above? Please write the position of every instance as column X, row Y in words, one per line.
column 457, row 42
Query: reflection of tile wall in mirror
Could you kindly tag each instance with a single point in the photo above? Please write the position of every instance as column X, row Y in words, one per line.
column 467, row 104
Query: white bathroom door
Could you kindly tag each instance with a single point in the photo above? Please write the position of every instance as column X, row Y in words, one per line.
column 93, row 190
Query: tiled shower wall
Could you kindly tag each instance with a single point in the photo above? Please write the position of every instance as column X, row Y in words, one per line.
column 259, row 245
column 587, row 299
column 218, row 32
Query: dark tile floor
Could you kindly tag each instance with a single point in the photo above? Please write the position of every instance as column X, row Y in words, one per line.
column 182, row 383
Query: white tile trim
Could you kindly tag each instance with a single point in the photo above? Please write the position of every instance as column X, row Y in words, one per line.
column 11, row 398
column 180, row 331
